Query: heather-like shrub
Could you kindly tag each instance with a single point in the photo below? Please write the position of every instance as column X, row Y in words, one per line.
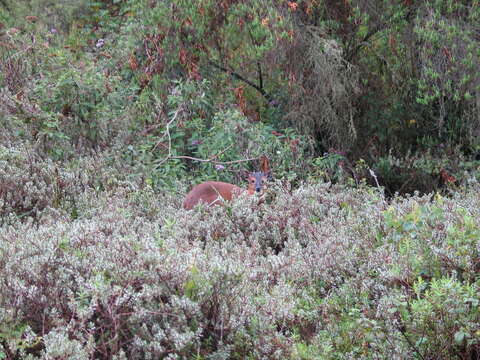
column 29, row 184
column 317, row 272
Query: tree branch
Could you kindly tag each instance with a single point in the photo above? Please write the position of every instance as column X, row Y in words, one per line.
column 245, row 80
column 209, row 160
column 353, row 52
column 260, row 77
column 350, row 53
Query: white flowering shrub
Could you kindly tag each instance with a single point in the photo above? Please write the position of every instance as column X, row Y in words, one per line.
column 28, row 184
column 317, row 272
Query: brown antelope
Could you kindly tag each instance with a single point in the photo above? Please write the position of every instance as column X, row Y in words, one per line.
column 215, row 192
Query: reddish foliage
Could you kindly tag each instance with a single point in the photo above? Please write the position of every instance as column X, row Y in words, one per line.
column 446, row 177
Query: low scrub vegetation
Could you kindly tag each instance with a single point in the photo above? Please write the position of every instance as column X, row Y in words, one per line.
column 321, row 271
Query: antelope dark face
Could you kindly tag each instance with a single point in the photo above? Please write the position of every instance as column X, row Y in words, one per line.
column 256, row 181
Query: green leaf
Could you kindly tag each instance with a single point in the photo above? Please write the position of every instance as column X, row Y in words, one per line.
column 459, row 337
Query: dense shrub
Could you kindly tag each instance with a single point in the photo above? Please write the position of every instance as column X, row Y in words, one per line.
column 58, row 14
column 192, row 137
column 322, row 102
column 30, row 184
column 319, row 271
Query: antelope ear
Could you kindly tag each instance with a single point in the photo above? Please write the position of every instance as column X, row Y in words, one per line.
column 244, row 174
column 264, row 164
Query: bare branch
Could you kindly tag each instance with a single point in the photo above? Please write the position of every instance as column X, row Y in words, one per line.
column 209, row 160
column 245, row 80
column 167, row 133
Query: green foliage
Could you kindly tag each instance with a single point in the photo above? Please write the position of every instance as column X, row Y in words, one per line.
column 438, row 169
column 117, row 71
column 55, row 14
column 236, row 27
column 197, row 129
column 82, row 101
column 413, row 233
column 449, row 64
column 330, row 167
column 232, row 136
column 454, row 302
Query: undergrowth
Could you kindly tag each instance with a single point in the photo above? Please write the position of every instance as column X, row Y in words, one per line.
column 321, row 272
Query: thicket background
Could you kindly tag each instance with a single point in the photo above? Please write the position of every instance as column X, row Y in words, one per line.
column 104, row 107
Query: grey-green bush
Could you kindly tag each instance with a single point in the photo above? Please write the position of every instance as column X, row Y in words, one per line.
column 317, row 272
